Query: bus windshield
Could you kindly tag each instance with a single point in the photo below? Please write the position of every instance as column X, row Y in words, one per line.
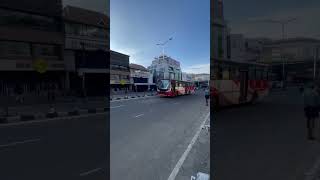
column 164, row 84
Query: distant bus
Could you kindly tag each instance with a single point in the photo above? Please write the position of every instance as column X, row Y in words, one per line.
column 172, row 88
column 237, row 82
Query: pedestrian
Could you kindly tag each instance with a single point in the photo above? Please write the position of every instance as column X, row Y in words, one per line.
column 311, row 110
column 18, row 91
column 207, row 95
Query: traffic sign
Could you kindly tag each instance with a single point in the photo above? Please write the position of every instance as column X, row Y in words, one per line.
column 40, row 65
column 122, row 82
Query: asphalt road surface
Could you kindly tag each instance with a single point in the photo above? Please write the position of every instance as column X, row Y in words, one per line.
column 51, row 150
column 149, row 136
column 265, row 141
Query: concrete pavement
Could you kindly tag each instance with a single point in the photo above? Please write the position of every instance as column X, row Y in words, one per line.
column 265, row 141
column 148, row 136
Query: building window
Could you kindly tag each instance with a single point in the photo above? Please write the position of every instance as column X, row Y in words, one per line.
column 20, row 19
column 47, row 51
column 73, row 29
column 14, row 49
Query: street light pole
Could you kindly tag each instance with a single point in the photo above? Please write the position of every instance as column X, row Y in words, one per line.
column 162, row 45
column 282, row 23
column 315, row 56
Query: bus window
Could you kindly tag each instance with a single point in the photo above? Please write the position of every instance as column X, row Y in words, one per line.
column 265, row 75
column 219, row 73
column 252, row 73
column 258, row 74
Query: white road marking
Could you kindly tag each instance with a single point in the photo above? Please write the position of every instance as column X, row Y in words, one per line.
column 186, row 152
column 112, row 107
column 176, row 103
column 53, row 119
column 90, row 172
column 19, row 142
column 139, row 115
column 313, row 172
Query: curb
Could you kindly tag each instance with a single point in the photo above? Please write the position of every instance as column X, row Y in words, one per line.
column 51, row 115
column 131, row 97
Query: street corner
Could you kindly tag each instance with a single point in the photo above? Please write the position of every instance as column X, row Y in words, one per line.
column 198, row 161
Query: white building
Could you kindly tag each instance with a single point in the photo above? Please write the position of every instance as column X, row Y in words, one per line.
column 165, row 67
column 202, row 77
column 140, row 77
column 186, row 77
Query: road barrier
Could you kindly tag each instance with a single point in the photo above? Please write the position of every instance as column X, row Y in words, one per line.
column 51, row 114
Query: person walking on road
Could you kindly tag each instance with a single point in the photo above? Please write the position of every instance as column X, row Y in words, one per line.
column 207, row 95
column 311, row 110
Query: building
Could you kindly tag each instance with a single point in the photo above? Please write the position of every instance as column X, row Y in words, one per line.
column 202, row 80
column 119, row 71
column 165, row 67
column 296, row 54
column 220, row 38
column 246, row 49
column 31, row 45
column 86, row 51
column 141, row 78
column 186, row 77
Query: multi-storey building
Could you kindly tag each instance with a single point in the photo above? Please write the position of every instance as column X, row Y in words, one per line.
column 296, row 58
column 220, row 39
column 86, row 50
column 31, row 45
column 119, row 71
column 141, row 78
column 246, row 49
column 165, row 67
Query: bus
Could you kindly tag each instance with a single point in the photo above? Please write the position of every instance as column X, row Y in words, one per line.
column 172, row 88
column 238, row 82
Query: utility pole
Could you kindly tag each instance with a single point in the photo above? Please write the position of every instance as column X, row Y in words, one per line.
column 283, row 23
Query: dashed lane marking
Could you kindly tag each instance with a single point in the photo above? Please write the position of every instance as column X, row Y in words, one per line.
column 139, row 115
column 90, row 172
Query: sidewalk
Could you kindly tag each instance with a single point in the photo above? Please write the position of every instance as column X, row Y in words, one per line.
column 40, row 105
column 123, row 95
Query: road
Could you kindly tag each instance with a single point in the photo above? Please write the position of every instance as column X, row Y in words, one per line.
column 264, row 141
column 149, row 136
column 59, row 149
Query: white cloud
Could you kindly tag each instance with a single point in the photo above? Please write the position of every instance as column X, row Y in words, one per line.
column 197, row 69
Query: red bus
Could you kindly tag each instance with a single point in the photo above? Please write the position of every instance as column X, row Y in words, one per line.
column 235, row 82
column 172, row 88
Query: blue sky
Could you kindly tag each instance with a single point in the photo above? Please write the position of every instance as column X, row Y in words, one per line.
column 137, row 26
column 238, row 13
